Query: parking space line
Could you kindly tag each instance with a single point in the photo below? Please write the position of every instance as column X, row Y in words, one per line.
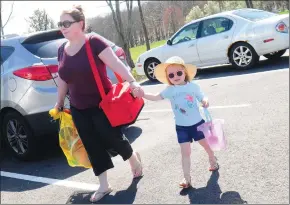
column 211, row 107
column 57, row 182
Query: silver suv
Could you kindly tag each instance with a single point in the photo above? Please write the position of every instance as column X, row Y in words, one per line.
column 28, row 89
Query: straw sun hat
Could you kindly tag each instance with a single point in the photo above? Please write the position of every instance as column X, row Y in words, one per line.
column 160, row 70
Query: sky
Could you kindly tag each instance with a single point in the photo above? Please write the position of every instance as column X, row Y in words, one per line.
column 23, row 9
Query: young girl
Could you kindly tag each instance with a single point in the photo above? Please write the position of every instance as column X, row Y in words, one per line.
column 182, row 94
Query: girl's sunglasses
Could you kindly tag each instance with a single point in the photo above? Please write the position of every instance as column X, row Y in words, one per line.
column 65, row 24
column 178, row 73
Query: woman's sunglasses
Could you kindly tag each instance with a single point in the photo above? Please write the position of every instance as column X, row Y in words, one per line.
column 178, row 73
column 65, row 24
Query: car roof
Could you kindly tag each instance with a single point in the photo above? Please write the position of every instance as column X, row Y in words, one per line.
column 231, row 12
column 41, row 35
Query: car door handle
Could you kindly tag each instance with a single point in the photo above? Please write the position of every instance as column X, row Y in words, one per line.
column 191, row 45
column 226, row 37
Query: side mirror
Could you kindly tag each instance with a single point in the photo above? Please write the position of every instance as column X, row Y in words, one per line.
column 169, row 42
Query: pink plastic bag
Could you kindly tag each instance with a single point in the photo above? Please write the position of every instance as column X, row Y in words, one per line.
column 213, row 132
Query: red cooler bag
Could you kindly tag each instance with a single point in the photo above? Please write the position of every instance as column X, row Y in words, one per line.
column 119, row 105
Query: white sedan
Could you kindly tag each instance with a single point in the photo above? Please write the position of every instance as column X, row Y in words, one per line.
column 238, row 37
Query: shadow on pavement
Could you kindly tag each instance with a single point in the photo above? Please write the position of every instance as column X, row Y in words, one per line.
column 229, row 70
column 132, row 133
column 212, row 194
column 51, row 164
column 121, row 197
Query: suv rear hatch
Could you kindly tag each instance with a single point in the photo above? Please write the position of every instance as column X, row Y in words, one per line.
column 44, row 46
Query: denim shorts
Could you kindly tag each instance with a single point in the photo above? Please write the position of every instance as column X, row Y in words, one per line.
column 187, row 133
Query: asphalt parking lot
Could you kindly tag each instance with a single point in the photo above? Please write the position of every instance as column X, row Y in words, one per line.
column 253, row 169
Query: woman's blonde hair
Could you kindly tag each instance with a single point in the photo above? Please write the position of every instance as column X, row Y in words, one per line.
column 77, row 13
column 185, row 72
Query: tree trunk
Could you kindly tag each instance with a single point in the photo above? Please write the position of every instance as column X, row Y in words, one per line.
column 249, row 4
column 2, row 29
column 220, row 6
column 132, row 44
column 120, row 29
column 142, row 41
column 162, row 33
column 172, row 20
column 144, row 26
column 46, row 23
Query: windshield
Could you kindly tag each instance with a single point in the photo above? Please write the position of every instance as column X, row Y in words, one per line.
column 254, row 15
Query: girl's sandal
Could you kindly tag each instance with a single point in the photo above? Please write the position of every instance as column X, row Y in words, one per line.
column 184, row 184
column 213, row 165
column 139, row 167
column 99, row 195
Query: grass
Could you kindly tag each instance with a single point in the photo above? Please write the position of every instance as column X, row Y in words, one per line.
column 137, row 51
column 284, row 12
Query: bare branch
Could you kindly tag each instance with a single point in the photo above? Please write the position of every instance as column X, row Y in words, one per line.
column 109, row 2
column 11, row 11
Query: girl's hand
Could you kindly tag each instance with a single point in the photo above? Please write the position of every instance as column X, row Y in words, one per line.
column 205, row 103
column 137, row 90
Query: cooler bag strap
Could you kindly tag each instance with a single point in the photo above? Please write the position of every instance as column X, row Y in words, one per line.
column 95, row 70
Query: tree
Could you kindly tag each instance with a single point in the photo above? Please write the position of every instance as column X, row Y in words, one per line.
column 249, row 4
column 212, row 7
column 123, row 33
column 144, row 26
column 195, row 13
column 40, row 21
column 2, row 26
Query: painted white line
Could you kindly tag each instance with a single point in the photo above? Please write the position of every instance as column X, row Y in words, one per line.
column 211, row 107
column 57, row 182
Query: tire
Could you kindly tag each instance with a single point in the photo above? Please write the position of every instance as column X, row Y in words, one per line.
column 275, row 55
column 246, row 58
column 23, row 144
column 149, row 69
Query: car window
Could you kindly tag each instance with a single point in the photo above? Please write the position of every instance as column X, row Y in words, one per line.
column 215, row 26
column 49, row 48
column 6, row 53
column 254, row 15
column 188, row 33
column 46, row 49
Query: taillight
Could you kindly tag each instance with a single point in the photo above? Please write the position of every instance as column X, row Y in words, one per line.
column 38, row 72
column 282, row 27
column 121, row 54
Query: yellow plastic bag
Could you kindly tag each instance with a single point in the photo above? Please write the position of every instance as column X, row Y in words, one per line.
column 70, row 141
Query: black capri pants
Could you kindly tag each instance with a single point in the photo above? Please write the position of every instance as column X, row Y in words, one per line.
column 98, row 136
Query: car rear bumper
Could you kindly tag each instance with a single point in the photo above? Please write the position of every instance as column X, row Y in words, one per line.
column 41, row 124
column 140, row 69
column 280, row 42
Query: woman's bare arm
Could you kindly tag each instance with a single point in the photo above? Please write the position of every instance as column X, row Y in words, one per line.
column 110, row 59
column 62, row 91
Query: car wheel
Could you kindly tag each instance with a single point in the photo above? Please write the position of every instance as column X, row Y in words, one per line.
column 149, row 69
column 243, row 56
column 275, row 55
column 18, row 136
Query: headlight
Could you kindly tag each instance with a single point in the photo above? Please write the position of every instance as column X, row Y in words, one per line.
column 138, row 60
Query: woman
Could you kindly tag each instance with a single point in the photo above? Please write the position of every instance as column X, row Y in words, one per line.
column 75, row 76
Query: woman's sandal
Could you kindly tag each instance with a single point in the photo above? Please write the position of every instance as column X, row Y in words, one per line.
column 213, row 165
column 139, row 167
column 99, row 195
column 185, row 184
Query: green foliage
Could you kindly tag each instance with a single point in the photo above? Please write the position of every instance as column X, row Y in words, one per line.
column 195, row 13
column 212, row 7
